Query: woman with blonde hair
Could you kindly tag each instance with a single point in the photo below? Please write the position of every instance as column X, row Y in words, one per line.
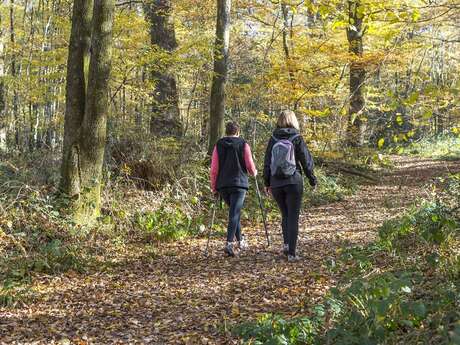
column 285, row 158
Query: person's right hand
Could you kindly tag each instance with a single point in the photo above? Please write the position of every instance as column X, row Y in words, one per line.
column 267, row 191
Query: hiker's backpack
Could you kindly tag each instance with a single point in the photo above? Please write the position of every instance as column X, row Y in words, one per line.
column 283, row 164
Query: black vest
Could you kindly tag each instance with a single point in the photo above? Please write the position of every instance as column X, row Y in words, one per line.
column 232, row 168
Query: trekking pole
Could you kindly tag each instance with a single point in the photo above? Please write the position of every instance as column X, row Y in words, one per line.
column 259, row 196
column 214, row 207
column 262, row 210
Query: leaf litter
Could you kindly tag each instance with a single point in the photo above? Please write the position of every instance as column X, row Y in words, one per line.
column 189, row 299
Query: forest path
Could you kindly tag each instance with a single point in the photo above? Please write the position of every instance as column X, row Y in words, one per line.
column 179, row 297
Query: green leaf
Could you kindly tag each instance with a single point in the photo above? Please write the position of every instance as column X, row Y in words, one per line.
column 381, row 142
column 415, row 15
column 419, row 309
column 408, row 323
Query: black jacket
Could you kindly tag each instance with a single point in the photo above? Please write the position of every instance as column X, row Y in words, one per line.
column 304, row 160
column 232, row 167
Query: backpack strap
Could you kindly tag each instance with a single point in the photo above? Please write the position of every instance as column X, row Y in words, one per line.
column 291, row 139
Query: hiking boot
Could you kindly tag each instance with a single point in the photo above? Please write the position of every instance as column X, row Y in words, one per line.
column 243, row 244
column 285, row 249
column 293, row 258
column 228, row 249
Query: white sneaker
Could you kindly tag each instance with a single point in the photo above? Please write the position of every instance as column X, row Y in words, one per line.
column 228, row 249
column 243, row 244
column 292, row 258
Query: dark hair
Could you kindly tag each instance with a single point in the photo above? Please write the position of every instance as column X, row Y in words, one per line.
column 232, row 128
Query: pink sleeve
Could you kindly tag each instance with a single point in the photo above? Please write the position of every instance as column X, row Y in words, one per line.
column 214, row 169
column 250, row 166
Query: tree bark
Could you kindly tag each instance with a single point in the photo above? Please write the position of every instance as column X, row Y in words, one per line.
column 165, row 119
column 80, row 39
column 287, row 32
column 217, row 102
column 355, row 32
column 86, row 112
column 94, row 126
column 3, row 121
column 14, row 74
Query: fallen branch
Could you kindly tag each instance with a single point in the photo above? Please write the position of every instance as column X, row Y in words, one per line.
column 342, row 167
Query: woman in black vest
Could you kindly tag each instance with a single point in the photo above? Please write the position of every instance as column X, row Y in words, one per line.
column 288, row 189
column 231, row 162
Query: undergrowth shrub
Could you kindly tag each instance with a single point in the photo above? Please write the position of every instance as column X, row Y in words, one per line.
column 34, row 237
column 151, row 163
column 35, row 240
column 276, row 330
column 432, row 222
column 402, row 288
column 330, row 188
column 165, row 224
column 418, row 298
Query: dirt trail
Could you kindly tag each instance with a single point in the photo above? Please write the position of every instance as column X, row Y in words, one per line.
column 178, row 296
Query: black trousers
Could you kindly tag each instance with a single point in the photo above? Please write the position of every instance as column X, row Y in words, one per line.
column 289, row 200
column 234, row 198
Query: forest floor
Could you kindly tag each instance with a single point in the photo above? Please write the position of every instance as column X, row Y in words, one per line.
column 176, row 295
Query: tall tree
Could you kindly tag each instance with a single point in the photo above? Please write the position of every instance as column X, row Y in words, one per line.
column 165, row 119
column 78, row 59
column 14, row 75
column 3, row 122
column 287, row 34
column 219, row 78
column 355, row 33
column 87, row 105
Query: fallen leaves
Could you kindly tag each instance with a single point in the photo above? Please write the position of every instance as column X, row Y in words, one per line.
column 180, row 297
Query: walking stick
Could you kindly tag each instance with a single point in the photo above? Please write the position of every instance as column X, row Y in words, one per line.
column 214, row 207
column 262, row 210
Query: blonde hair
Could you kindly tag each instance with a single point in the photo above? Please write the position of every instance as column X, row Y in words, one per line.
column 287, row 119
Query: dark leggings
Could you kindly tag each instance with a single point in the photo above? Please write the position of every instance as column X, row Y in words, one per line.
column 234, row 198
column 289, row 200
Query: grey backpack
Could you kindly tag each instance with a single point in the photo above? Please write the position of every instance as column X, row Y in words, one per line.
column 283, row 164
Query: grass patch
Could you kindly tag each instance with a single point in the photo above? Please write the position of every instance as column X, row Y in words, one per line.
column 442, row 147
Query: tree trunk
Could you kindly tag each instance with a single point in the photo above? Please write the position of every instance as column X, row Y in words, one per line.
column 3, row 120
column 94, row 126
column 79, row 46
column 86, row 116
column 165, row 119
column 287, row 32
column 355, row 32
column 13, row 75
column 217, row 103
